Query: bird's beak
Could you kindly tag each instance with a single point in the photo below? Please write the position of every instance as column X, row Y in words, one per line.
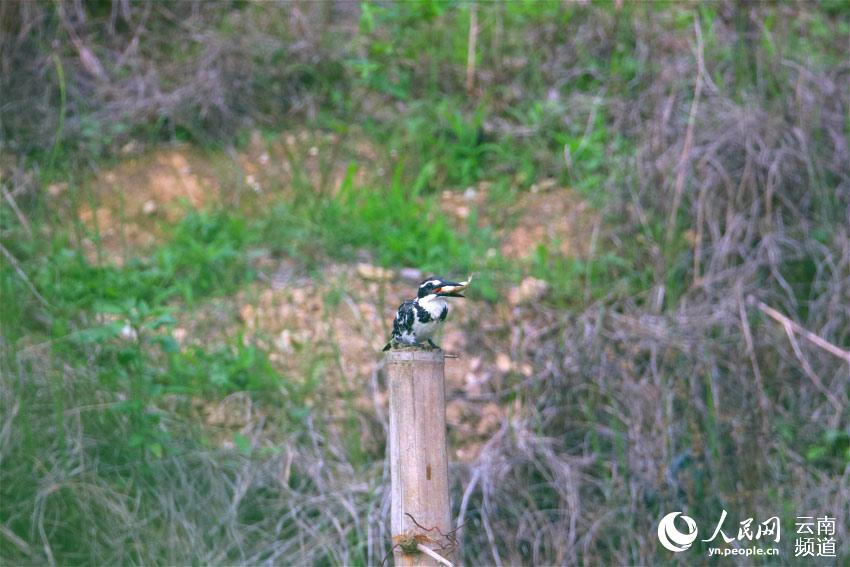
column 452, row 289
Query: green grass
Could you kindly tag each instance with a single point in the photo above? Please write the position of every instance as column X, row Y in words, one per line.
column 400, row 225
column 205, row 255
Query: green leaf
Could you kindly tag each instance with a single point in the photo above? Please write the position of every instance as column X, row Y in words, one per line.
column 100, row 333
column 165, row 320
column 113, row 308
column 815, row 453
column 167, row 343
column 243, row 445
column 155, row 449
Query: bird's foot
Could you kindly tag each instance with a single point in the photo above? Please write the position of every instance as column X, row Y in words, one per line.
column 430, row 345
column 408, row 346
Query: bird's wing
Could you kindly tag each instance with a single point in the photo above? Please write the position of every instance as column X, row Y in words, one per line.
column 403, row 319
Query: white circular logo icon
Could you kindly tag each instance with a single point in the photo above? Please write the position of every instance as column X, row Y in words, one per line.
column 673, row 539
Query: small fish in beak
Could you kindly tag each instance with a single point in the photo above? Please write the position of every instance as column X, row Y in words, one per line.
column 452, row 289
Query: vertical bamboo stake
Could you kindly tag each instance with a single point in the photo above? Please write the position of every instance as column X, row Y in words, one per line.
column 418, row 455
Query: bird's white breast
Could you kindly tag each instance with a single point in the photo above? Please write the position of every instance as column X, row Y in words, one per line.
column 434, row 305
column 425, row 331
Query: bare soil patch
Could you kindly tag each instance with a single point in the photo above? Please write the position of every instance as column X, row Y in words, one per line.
column 553, row 216
column 130, row 204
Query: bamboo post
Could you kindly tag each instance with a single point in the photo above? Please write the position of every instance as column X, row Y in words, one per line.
column 418, row 454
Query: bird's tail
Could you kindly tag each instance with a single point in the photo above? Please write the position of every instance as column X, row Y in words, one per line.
column 387, row 346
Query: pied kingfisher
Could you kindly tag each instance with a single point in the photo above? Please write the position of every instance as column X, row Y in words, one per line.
column 418, row 319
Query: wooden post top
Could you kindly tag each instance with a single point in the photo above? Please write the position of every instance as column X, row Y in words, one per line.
column 413, row 355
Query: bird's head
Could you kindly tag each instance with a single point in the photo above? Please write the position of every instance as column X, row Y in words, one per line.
column 441, row 288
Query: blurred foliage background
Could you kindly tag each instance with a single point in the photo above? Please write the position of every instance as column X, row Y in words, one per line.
column 211, row 209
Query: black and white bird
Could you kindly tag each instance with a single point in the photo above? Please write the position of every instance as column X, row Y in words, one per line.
column 418, row 319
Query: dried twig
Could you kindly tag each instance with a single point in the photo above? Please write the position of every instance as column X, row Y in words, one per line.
column 471, row 48
column 16, row 540
column 434, row 555
column 791, row 328
column 689, row 136
column 699, row 233
column 17, row 266
column 764, row 403
column 18, row 213
column 796, row 327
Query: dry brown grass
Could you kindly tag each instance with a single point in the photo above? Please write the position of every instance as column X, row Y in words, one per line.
column 121, row 72
column 686, row 397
